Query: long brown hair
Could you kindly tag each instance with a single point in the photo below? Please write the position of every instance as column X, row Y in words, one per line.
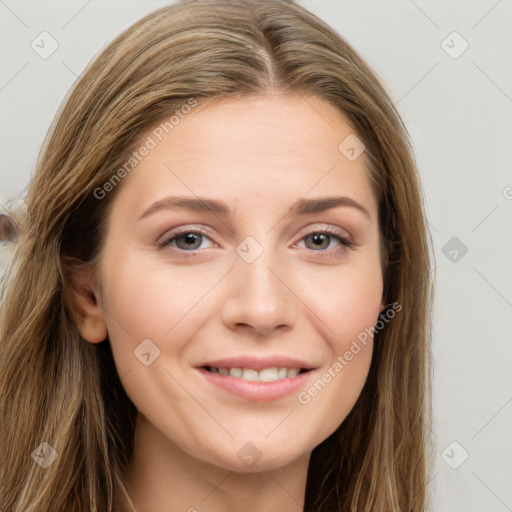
column 58, row 389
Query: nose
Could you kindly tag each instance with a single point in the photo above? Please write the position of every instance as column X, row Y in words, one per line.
column 260, row 297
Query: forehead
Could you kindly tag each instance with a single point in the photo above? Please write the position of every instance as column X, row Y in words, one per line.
column 270, row 148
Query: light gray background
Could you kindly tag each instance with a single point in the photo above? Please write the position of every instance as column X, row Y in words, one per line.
column 458, row 111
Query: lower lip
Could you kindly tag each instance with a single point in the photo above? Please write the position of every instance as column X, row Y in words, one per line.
column 257, row 391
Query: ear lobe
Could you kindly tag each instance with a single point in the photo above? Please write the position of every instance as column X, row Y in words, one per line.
column 85, row 301
column 91, row 324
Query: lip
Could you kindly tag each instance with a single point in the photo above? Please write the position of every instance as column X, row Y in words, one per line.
column 259, row 362
column 255, row 391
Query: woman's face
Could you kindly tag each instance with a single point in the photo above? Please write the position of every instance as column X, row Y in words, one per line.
column 222, row 251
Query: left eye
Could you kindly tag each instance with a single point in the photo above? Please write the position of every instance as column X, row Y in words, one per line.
column 321, row 240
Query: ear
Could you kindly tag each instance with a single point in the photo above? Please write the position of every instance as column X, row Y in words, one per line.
column 84, row 300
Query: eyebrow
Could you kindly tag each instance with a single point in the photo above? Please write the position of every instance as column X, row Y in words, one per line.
column 203, row 204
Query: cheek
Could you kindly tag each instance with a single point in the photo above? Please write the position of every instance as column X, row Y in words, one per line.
column 148, row 299
column 148, row 311
column 161, row 303
column 347, row 300
column 354, row 308
column 349, row 310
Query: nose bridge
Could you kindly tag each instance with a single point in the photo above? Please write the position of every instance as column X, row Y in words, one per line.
column 258, row 297
column 260, row 283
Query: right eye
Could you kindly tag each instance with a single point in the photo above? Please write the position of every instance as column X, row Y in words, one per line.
column 184, row 240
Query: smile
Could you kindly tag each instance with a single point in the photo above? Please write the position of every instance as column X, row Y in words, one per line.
column 264, row 385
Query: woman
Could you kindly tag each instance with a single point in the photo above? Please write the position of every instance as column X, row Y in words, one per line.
column 282, row 362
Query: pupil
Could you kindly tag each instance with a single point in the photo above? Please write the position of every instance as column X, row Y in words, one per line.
column 190, row 240
column 319, row 239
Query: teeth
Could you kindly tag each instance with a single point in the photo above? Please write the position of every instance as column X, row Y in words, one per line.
column 249, row 374
column 235, row 372
column 266, row 375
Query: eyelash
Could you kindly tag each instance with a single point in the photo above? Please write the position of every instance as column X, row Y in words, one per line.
column 345, row 243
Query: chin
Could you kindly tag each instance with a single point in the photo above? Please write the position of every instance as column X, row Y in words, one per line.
column 248, row 457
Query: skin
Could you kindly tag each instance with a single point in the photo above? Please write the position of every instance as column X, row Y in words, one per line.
column 259, row 155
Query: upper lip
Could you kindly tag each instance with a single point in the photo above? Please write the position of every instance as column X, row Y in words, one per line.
column 259, row 362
